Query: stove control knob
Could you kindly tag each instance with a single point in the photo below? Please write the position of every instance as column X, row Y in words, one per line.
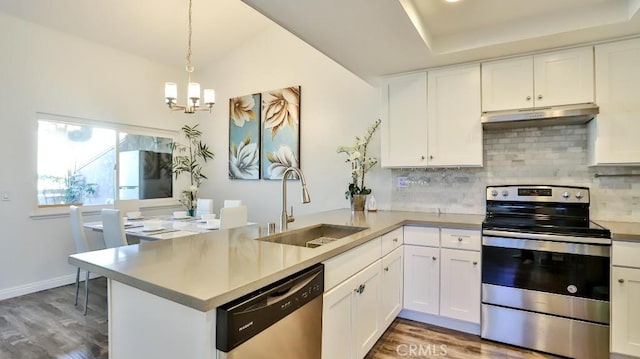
column 566, row 195
column 579, row 195
column 505, row 193
column 494, row 193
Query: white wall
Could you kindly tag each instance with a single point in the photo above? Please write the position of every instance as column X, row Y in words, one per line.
column 45, row 71
column 335, row 107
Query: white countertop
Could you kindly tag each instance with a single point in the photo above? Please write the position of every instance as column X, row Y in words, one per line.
column 206, row 270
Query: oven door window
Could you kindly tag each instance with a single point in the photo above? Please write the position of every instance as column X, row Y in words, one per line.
column 562, row 273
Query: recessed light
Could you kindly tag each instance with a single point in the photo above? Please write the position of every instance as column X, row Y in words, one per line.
column 451, row 0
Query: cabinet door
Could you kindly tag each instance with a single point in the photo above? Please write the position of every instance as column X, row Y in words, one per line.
column 625, row 311
column 614, row 132
column 391, row 288
column 453, row 117
column 422, row 279
column 337, row 321
column 460, row 285
column 507, row 84
column 563, row 77
column 404, row 121
column 366, row 310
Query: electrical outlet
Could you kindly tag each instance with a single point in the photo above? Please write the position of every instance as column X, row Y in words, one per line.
column 403, row 182
column 5, row 196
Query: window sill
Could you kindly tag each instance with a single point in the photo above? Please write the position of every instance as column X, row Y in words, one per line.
column 94, row 210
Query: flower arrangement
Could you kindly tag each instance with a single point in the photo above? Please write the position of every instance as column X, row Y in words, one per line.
column 188, row 160
column 189, row 198
column 360, row 163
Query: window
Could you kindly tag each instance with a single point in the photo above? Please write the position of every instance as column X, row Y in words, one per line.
column 83, row 162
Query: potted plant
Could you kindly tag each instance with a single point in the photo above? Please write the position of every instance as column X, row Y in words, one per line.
column 189, row 158
column 360, row 165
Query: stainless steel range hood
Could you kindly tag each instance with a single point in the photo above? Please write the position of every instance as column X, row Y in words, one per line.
column 542, row 116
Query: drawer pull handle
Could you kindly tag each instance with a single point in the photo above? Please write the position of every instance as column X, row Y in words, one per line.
column 395, row 240
column 386, row 269
column 434, row 258
column 459, row 239
column 475, row 263
column 620, row 280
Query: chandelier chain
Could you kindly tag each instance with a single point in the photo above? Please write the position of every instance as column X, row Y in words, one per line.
column 189, row 66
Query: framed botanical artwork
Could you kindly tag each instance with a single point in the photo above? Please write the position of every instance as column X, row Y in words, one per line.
column 244, row 137
column 280, row 131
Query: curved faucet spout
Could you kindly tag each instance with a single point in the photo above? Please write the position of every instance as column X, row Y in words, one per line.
column 284, row 217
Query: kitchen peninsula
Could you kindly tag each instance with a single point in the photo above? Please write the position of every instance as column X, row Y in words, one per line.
column 163, row 295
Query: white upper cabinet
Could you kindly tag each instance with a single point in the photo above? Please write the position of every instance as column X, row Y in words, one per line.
column 404, row 121
column 614, row 132
column 507, row 84
column 563, row 77
column 549, row 79
column 454, row 136
column 434, row 123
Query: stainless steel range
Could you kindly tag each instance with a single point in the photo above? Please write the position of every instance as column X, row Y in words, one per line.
column 545, row 271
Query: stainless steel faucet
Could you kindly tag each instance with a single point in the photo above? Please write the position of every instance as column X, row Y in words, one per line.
column 284, row 217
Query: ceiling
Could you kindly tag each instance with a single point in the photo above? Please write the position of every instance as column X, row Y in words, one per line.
column 153, row 29
column 380, row 37
column 371, row 38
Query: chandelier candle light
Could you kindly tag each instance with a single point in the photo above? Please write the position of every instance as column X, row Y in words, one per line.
column 193, row 88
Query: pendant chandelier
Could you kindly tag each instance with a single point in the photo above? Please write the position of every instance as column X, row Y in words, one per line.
column 193, row 88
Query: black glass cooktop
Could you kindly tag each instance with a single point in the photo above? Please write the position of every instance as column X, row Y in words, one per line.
column 565, row 226
column 567, row 219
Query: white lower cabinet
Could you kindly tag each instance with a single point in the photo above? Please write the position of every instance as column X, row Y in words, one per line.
column 625, row 299
column 422, row 279
column 443, row 281
column 350, row 324
column 392, row 287
column 460, row 285
column 364, row 288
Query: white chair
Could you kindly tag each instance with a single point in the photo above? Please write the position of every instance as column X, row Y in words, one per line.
column 113, row 228
column 232, row 202
column 82, row 245
column 204, row 206
column 231, row 217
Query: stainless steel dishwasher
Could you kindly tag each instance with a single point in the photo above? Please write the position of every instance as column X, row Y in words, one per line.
column 282, row 320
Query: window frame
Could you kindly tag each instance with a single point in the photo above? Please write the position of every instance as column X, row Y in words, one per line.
column 56, row 209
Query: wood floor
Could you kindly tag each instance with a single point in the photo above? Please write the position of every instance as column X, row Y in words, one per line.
column 409, row 339
column 47, row 325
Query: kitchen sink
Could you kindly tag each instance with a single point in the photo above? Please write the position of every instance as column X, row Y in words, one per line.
column 313, row 236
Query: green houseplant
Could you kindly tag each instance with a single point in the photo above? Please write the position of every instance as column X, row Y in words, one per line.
column 189, row 158
column 360, row 165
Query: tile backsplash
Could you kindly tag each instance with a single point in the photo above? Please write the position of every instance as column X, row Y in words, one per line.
column 554, row 155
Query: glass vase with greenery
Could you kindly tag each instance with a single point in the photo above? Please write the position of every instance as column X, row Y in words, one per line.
column 189, row 158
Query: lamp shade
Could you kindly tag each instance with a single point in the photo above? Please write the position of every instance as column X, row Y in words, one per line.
column 193, row 91
column 170, row 90
column 209, row 96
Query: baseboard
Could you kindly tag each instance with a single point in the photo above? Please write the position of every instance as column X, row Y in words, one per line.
column 459, row 325
column 41, row 285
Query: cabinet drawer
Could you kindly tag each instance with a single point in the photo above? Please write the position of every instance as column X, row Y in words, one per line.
column 625, row 254
column 391, row 241
column 343, row 266
column 468, row 239
column 422, row 236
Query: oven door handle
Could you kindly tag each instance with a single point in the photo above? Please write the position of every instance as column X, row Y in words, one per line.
column 547, row 246
column 546, row 237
